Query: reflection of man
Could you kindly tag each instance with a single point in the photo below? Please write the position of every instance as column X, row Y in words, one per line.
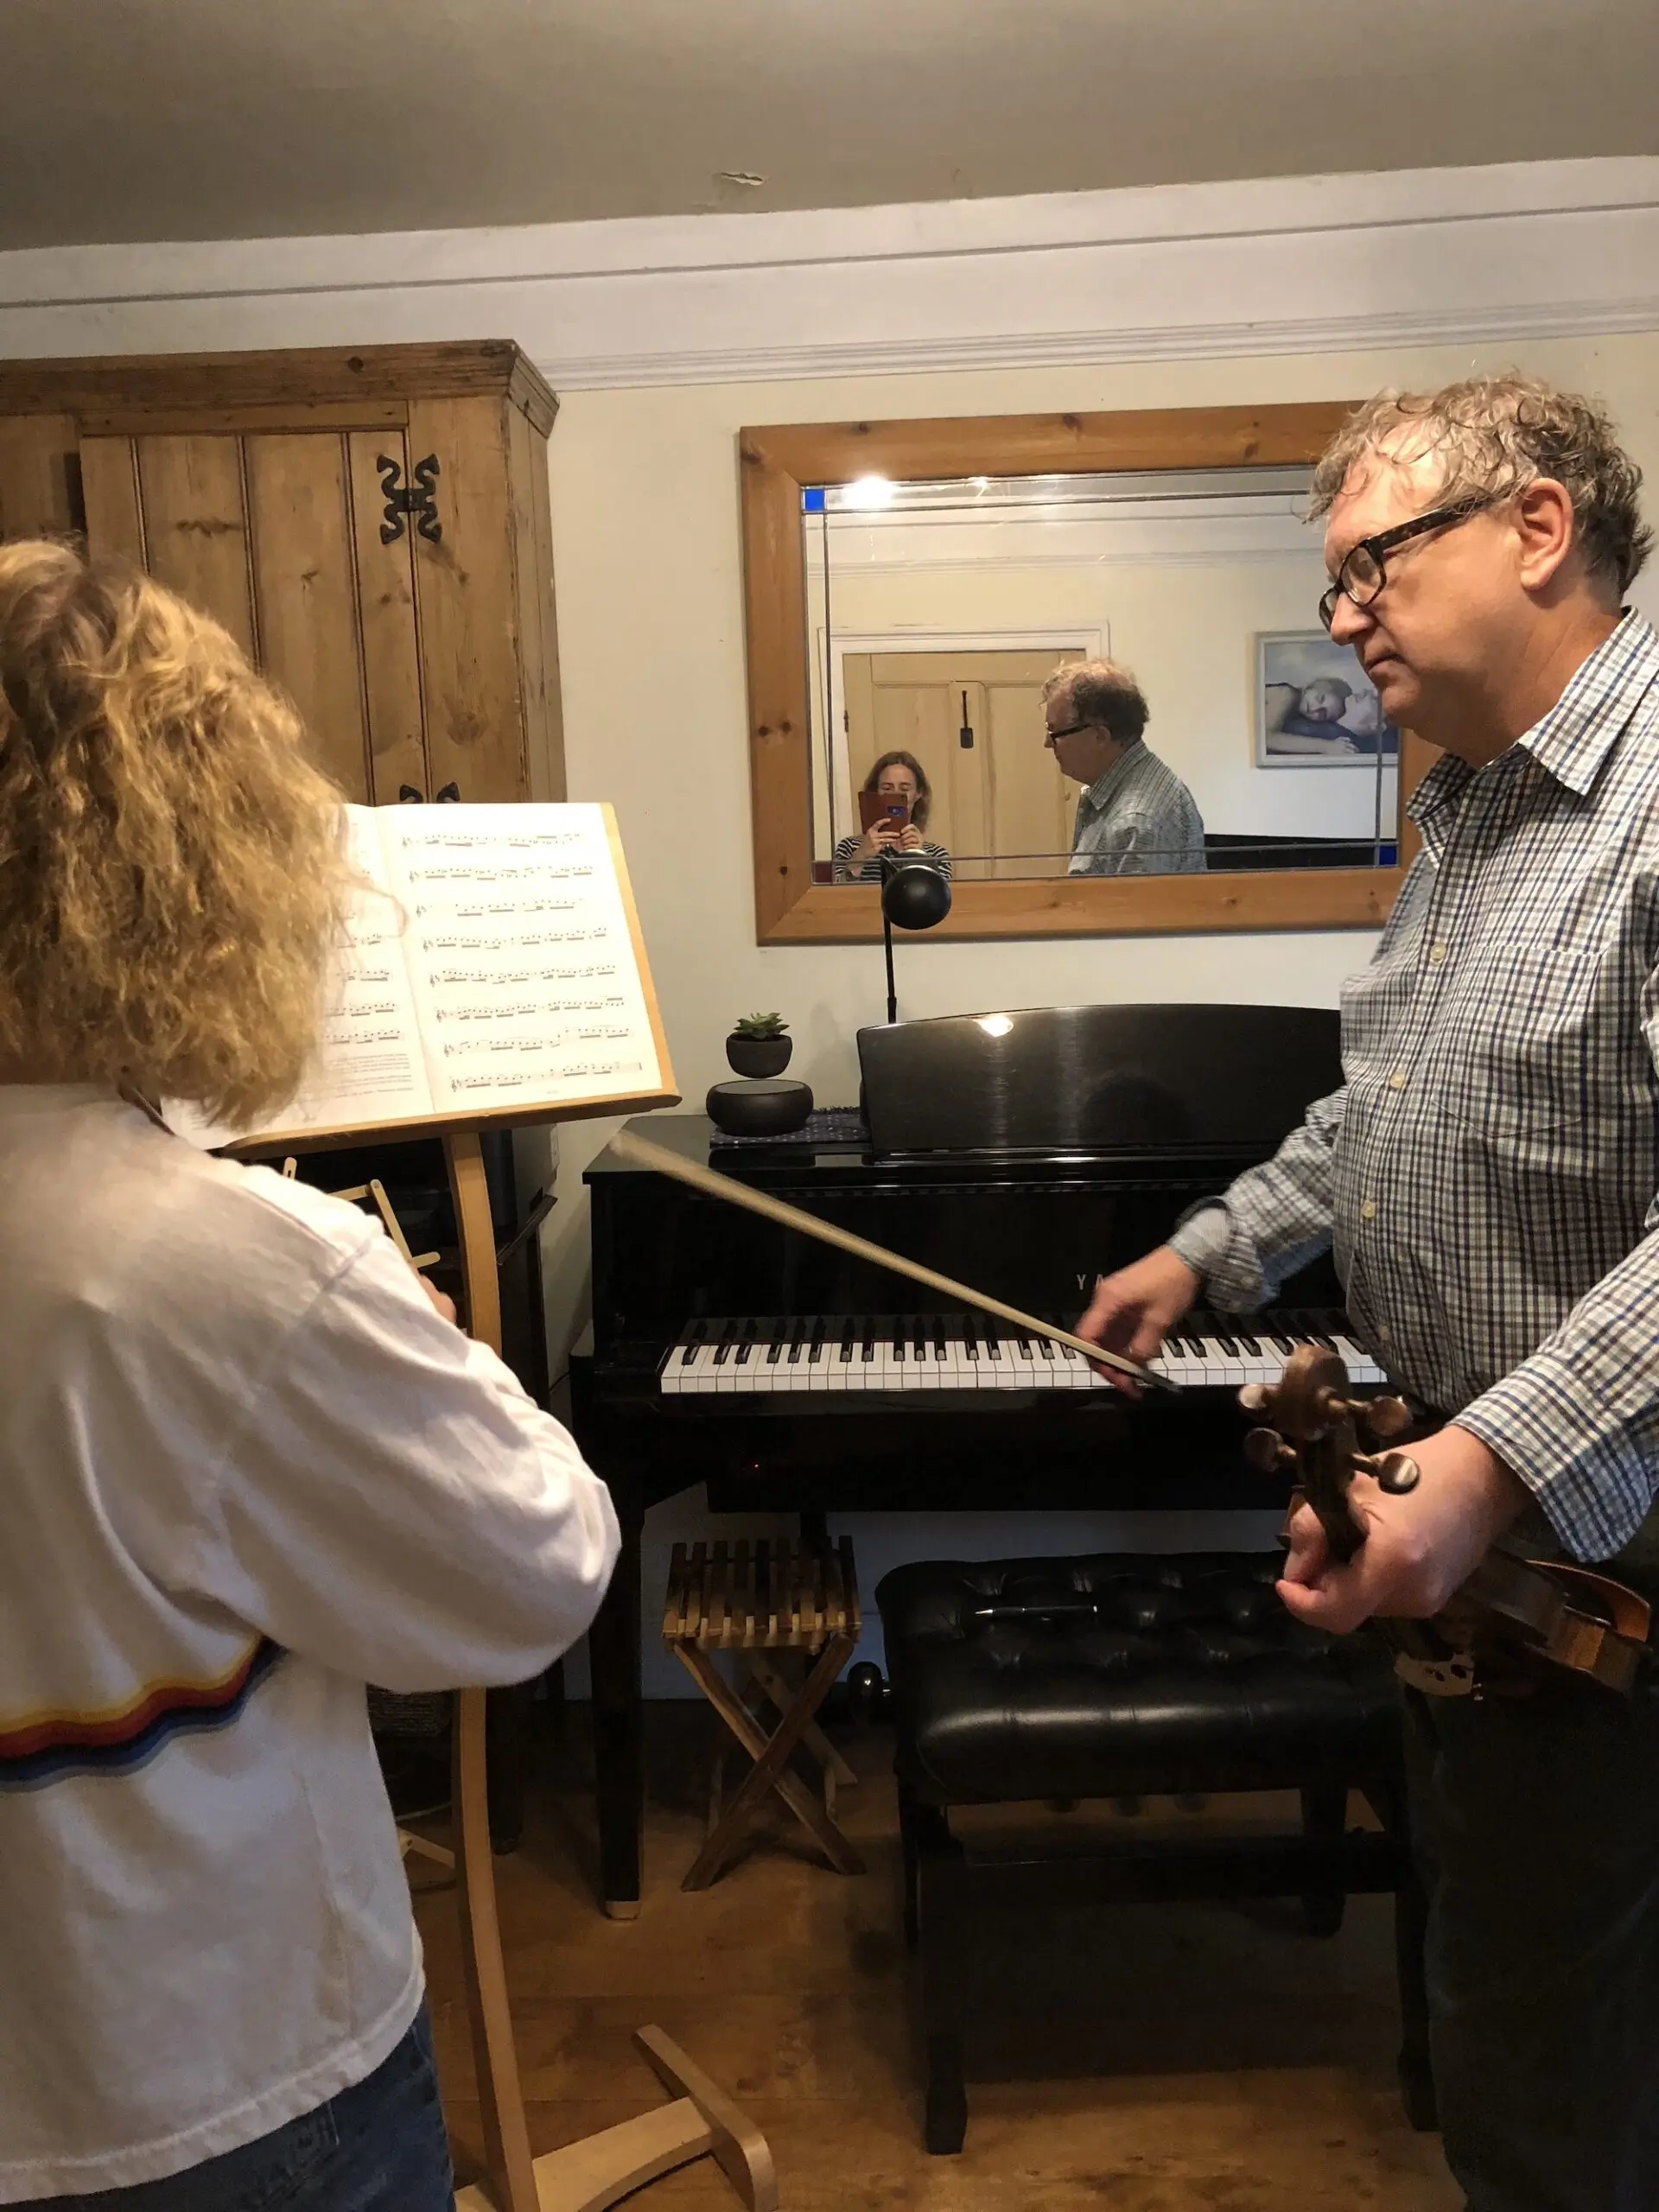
column 1489, row 1174
column 1135, row 816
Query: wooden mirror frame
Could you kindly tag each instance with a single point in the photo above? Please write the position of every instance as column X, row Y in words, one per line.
column 778, row 459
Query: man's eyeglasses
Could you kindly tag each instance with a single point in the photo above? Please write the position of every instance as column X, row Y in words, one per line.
column 1361, row 575
column 1070, row 730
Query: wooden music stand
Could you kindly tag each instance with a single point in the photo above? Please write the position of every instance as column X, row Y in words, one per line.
column 587, row 2175
column 584, row 2176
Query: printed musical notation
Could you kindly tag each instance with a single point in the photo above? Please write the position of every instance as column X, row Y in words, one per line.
column 486, row 962
column 519, row 954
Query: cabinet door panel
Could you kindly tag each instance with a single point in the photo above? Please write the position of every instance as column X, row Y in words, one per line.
column 532, row 536
column 305, row 592
column 385, row 585
column 195, row 528
column 35, row 489
column 464, row 594
column 109, row 478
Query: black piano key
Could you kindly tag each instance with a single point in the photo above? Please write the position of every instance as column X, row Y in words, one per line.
column 899, row 1342
column 775, row 1344
column 847, row 1339
column 746, row 1345
column 796, row 1339
column 694, row 1342
column 723, row 1350
column 1229, row 1344
column 1250, row 1346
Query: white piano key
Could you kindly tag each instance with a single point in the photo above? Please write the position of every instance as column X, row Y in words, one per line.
column 1361, row 1368
column 1178, row 1364
column 698, row 1379
column 1214, row 1367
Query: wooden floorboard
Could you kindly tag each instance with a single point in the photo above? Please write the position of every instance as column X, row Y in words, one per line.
column 1185, row 2058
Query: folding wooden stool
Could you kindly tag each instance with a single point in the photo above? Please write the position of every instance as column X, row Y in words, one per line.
column 757, row 1600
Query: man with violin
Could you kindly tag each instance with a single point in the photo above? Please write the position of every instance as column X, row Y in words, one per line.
column 1489, row 1177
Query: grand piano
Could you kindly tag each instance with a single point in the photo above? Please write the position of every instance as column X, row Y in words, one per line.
column 1021, row 1152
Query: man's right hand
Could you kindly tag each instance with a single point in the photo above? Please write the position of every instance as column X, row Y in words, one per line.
column 1132, row 1310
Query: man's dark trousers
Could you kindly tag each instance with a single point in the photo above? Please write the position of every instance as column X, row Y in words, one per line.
column 1537, row 1820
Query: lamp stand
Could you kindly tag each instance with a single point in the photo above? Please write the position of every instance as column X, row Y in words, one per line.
column 889, row 870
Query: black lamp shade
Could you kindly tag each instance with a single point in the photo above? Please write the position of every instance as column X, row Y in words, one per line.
column 915, row 896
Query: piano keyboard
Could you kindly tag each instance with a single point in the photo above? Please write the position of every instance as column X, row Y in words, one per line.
column 820, row 1354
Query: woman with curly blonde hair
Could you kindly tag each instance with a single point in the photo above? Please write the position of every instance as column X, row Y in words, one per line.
column 247, row 1467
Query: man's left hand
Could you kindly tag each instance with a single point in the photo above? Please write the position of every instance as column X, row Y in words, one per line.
column 1419, row 1547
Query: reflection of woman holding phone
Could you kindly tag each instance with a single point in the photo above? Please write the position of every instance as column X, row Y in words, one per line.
column 901, row 781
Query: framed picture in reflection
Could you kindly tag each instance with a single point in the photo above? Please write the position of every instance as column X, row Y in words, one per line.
column 1315, row 707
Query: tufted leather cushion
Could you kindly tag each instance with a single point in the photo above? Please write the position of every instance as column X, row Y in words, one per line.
column 1191, row 1677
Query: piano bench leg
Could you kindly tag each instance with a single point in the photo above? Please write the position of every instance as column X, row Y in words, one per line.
column 945, row 2126
column 922, row 1828
column 945, row 1911
column 1324, row 1816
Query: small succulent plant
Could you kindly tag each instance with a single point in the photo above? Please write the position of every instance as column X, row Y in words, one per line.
column 760, row 1024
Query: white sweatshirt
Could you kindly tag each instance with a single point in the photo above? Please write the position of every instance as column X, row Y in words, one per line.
column 244, row 1469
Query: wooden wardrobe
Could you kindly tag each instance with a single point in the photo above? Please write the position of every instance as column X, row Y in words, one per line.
column 371, row 524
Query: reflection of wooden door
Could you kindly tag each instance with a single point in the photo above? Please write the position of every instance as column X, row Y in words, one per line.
column 975, row 722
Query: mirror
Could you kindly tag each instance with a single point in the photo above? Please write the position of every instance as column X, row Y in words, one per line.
column 939, row 613
column 911, row 587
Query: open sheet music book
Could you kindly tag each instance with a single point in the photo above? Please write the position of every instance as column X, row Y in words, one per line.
column 496, row 968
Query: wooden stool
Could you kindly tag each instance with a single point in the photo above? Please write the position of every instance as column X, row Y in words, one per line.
column 756, row 1600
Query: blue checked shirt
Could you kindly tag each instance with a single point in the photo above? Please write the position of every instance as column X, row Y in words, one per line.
column 1487, row 1174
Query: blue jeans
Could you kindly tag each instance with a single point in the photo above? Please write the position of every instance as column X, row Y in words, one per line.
column 378, row 2146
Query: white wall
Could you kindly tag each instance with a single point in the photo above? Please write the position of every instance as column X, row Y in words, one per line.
column 645, row 503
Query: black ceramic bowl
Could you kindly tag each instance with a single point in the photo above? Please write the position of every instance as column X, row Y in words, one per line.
column 771, row 1108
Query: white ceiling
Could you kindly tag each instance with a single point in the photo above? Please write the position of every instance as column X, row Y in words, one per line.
column 135, row 120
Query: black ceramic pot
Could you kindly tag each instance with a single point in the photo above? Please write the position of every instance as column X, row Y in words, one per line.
column 758, row 1056
column 759, row 1109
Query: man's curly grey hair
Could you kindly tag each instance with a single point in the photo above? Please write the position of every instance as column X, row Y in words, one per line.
column 1103, row 693
column 1495, row 436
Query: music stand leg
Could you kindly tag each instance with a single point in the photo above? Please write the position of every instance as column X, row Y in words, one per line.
column 501, row 2103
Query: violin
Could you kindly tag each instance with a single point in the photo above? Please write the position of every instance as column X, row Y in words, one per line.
column 1513, row 1621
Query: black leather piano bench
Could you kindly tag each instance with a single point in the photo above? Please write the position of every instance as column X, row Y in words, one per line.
column 1132, row 1674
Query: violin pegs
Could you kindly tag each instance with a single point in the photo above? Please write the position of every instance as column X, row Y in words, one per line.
column 1393, row 1471
column 1385, row 1417
column 1255, row 1398
column 1266, row 1451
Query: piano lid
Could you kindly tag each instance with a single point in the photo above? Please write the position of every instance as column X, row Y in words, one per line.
column 1096, row 1079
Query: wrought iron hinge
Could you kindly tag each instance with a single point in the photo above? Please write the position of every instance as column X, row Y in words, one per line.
column 416, row 499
